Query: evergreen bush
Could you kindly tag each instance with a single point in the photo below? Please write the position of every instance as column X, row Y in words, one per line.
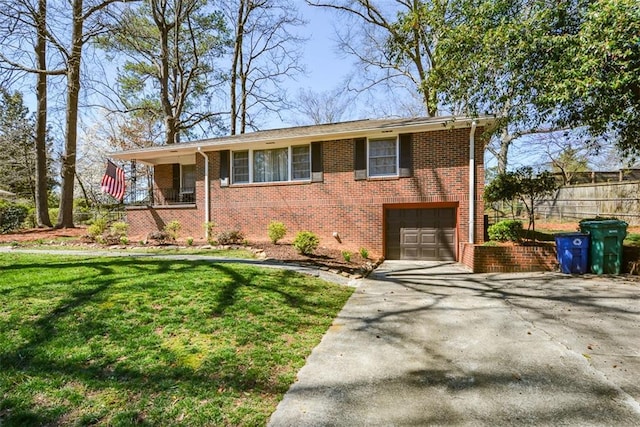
column 306, row 242
column 277, row 231
column 506, row 231
column 12, row 215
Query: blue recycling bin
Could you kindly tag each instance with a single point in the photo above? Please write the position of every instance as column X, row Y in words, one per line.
column 573, row 252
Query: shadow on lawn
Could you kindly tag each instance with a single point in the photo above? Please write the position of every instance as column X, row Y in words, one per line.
column 75, row 321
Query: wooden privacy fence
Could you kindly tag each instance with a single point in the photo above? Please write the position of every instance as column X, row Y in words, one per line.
column 612, row 199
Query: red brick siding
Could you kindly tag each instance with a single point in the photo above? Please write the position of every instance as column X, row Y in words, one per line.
column 143, row 220
column 508, row 259
column 341, row 204
column 163, row 178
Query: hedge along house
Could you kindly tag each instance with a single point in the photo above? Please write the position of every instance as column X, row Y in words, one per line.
column 401, row 188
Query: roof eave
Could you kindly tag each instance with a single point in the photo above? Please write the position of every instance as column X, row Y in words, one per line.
column 155, row 155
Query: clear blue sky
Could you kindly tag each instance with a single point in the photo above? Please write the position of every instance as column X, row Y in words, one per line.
column 326, row 70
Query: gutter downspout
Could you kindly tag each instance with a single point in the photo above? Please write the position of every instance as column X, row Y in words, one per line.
column 207, row 190
column 472, row 182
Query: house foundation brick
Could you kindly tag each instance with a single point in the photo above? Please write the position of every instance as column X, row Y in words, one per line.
column 354, row 209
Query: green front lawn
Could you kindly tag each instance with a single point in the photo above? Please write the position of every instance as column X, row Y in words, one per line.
column 159, row 250
column 113, row 341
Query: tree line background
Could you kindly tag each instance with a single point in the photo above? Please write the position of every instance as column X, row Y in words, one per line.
column 561, row 77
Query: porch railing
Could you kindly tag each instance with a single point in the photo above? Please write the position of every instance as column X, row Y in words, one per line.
column 161, row 197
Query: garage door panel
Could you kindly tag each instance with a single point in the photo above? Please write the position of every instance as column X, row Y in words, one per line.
column 411, row 253
column 410, row 237
column 448, row 235
column 447, row 253
column 428, row 237
column 421, row 234
column 428, row 254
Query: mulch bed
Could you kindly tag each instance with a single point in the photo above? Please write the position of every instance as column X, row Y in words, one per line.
column 331, row 259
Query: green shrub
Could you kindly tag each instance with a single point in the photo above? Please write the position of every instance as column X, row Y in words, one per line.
column 12, row 215
column 346, row 255
column 172, row 229
column 189, row 241
column 30, row 220
column 507, row 230
column 98, row 227
column 364, row 253
column 209, row 226
column 306, row 242
column 230, row 237
column 119, row 229
column 53, row 214
column 277, row 231
column 124, row 240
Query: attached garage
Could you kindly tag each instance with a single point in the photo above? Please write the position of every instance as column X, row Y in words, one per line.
column 428, row 234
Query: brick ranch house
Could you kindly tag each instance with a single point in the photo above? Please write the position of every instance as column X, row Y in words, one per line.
column 401, row 188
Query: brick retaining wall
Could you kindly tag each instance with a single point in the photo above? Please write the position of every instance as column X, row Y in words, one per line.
column 508, row 259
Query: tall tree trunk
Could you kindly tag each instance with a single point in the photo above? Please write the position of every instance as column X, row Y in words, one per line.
column 237, row 58
column 244, row 94
column 159, row 12
column 65, row 217
column 41, row 193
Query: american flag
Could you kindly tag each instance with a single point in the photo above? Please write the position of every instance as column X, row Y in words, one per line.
column 113, row 181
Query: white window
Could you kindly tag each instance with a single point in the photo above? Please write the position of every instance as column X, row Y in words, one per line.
column 383, row 157
column 300, row 162
column 272, row 165
column 188, row 177
column 187, row 191
column 240, row 167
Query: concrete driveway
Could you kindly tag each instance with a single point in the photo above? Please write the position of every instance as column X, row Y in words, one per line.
column 431, row 344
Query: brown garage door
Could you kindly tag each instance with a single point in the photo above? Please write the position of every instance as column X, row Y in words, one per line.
column 421, row 234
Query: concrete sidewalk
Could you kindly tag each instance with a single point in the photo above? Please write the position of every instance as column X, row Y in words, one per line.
column 431, row 344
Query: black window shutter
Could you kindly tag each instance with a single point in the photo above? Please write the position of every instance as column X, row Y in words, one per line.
column 360, row 159
column 317, row 174
column 224, row 168
column 405, row 155
column 176, row 177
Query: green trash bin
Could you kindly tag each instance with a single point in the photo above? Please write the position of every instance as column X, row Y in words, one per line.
column 605, row 253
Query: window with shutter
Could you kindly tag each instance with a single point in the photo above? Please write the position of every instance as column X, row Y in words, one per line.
column 293, row 163
column 224, row 168
column 317, row 170
column 360, row 160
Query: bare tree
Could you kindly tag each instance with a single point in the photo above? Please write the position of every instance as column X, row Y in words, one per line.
column 322, row 107
column 68, row 33
column 394, row 42
column 116, row 131
column 87, row 23
column 25, row 24
column 265, row 51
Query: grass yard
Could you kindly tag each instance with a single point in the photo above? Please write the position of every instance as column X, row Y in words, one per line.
column 160, row 250
column 113, row 341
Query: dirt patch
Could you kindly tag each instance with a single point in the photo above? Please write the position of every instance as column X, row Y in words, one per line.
column 570, row 226
column 43, row 234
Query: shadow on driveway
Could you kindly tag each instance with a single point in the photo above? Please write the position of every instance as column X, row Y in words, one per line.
column 431, row 343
